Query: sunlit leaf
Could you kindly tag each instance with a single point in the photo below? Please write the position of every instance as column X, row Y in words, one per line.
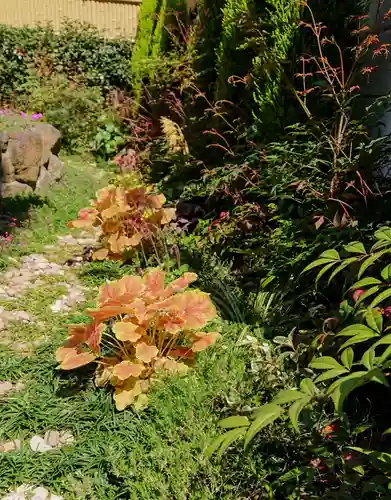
column 203, row 340
column 357, row 339
column 347, row 358
column 386, row 273
column 233, row 422
column 264, row 416
column 355, row 329
column 325, row 363
column 215, row 445
column 179, row 285
column 330, row 374
column 288, row 396
column 369, row 262
column 127, row 331
column 296, row 409
column 381, row 297
column 126, row 394
column 366, row 282
column 355, row 247
column 154, row 283
column 341, row 388
column 146, row 353
column 76, row 359
column 230, row 437
column 374, row 319
column 368, row 293
column 330, row 254
column 308, row 387
column 317, row 263
column 324, row 271
column 127, row 369
column 141, row 402
column 368, row 358
column 341, row 267
column 100, row 254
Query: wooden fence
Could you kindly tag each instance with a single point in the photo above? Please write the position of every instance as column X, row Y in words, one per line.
column 114, row 17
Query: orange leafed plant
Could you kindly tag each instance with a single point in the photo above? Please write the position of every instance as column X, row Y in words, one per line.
column 129, row 218
column 141, row 325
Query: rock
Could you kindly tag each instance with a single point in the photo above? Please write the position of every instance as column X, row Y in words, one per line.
column 9, row 446
column 15, row 188
column 25, row 150
column 52, row 438
column 55, row 168
column 5, row 388
column 28, row 492
column 43, row 182
column 50, row 135
column 37, row 443
column 28, row 159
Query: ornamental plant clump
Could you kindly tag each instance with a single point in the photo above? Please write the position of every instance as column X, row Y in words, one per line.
column 140, row 327
column 129, row 219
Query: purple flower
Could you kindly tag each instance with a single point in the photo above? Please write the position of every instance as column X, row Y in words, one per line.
column 23, row 114
column 36, row 116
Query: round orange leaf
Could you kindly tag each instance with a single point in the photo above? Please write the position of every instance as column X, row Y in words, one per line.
column 127, row 331
column 204, row 340
column 100, row 254
column 125, row 395
column 146, row 353
column 75, row 360
column 127, row 369
column 195, row 308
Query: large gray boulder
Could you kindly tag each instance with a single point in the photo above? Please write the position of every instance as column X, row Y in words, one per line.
column 29, row 161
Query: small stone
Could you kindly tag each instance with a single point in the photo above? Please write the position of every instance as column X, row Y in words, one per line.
column 66, row 437
column 5, row 387
column 9, row 446
column 37, row 443
column 52, row 438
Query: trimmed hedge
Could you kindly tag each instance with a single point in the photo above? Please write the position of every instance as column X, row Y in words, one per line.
column 78, row 51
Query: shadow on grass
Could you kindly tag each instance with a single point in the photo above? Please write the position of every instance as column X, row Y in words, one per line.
column 75, row 381
column 16, row 210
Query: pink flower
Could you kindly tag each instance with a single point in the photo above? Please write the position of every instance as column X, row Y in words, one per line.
column 347, row 457
column 23, row 114
column 387, row 312
column 354, row 88
column 224, row 215
column 357, row 294
column 36, row 116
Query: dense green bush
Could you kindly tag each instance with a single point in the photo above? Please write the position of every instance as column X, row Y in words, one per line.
column 78, row 50
column 78, row 111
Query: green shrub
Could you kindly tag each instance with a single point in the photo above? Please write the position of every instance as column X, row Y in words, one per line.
column 77, row 50
column 77, row 111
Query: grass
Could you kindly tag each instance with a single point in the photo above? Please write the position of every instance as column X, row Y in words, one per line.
column 155, row 454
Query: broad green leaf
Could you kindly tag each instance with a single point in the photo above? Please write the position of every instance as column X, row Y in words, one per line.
column 215, row 445
column 355, row 247
column 347, row 358
column 324, row 271
column 355, row 329
column 376, row 375
column 296, row 409
column 266, row 415
column 365, row 282
column 386, row 354
column 384, row 233
column 231, row 437
column 307, row 386
column 292, row 474
column 367, row 294
column 383, row 341
column 370, row 261
column 288, row 396
column 328, row 375
column 341, row 267
column 317, row 263
column 359, row 469
column 330, row 254
column 388, row 431
column 357, row 339
column 235, row 421
column 382, row 296
column 341, row 388
column 374, row 319
column 325, row 363
column 368, row 358
column 386, row 273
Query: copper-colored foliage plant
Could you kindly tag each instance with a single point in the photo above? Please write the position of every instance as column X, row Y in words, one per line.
column 140, row 326
column 129, row 218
